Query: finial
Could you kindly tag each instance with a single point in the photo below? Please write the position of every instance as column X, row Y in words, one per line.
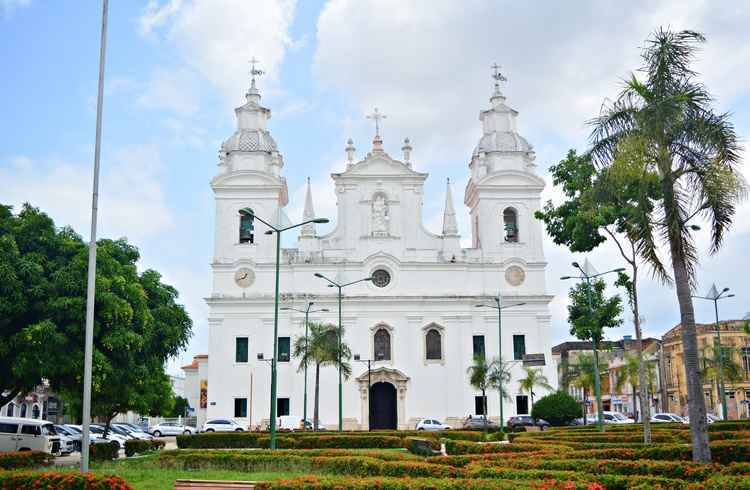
column 498, row 77
column 407, row 152
column 350, row 151
column 253, row 73
column 376, row 116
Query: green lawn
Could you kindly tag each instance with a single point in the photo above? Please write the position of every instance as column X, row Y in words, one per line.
column 143, row 474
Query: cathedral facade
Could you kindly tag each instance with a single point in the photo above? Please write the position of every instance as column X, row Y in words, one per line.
column 416, row 320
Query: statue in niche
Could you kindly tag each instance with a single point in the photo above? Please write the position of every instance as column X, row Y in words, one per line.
column 380, row 216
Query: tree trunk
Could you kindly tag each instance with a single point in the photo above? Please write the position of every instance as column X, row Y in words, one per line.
column 317, row 396
column 585, row 406
column 484, row 409
column 696, row 400
column 645, row 402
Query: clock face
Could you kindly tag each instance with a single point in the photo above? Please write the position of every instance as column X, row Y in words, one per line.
column 244, row 277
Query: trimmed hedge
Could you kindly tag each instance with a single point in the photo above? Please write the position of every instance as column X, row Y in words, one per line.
column 25, row 459
column 104, row 451
column 62, row 481
column 137, row 446
column 422, row 447
column 462, row 447
column 312, row 482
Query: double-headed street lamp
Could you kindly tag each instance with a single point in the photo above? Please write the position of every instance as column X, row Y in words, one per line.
column 499, row 307
column 307, row 312
column 334, row 284
column 715, row 296
column 278, row 231
column 369, row 383
column 597, row 382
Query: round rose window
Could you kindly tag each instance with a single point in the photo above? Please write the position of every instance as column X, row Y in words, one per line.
column 381, row 278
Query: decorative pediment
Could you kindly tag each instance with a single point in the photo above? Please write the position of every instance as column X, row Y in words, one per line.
column 246, row 178
column 384, row 374
column 380, row 165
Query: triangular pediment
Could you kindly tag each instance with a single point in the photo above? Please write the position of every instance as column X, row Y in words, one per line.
column 380, row 164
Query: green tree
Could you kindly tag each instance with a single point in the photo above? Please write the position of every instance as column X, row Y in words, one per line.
column 138, row 324
column 557, row 408
column 714, row 360
column 484, row 376
column 180, row 408
column 582, row 375
column 693, row 152
column 590, row 311
column 534, row 378
column 630, row 374
column 613, row 203
column 320, row 349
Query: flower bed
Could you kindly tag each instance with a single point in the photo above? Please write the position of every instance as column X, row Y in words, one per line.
column 25, row 459
column 329, row 482
column 62, row 481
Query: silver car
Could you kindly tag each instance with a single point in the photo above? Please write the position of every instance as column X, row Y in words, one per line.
column 171, row 429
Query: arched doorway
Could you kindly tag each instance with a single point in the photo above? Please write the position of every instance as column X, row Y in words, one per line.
column 383, row 414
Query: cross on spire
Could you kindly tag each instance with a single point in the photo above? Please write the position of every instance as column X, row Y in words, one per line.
column 377, row 116
column 254, row 71
column 497, row 76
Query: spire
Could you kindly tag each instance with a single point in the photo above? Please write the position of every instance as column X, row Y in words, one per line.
column 308, row 230
column 253, row 95
column 407, row 151
column 350, row 152
column 498, row 77
column 377, row 141
column 450, row 228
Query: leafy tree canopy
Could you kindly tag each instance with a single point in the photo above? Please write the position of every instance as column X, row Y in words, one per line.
column 557, row 408
column 590, row 312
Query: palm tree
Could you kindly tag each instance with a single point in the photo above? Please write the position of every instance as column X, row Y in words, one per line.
column 534, row 377
column 630, row 374
column 582, row 376
column 484, row 376
column 321, row 349
column 714, row 360
column 693, row 152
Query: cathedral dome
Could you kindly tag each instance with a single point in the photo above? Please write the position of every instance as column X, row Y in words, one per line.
column 250, row 140
column 502, row 141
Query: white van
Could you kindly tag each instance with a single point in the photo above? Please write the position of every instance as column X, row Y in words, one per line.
column 21, row 434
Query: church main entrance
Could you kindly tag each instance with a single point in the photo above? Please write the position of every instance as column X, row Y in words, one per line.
column 383, row 413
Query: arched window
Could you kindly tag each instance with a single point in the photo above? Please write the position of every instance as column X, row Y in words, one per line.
column 23, row 410
column 35, row 412
column 247, row 227
column 510, row 225
column 11, row 410
column 382, row 343
column 434, row 347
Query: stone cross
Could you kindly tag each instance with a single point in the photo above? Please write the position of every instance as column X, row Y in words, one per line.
column 377, row 116
column 254, row 71
column 496, row 73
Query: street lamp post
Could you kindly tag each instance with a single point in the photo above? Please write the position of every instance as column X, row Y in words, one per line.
column 594, row 343
column 716, row 296
column 369, row 384
column 497, row 306
column 334, row 284
column 278, row 231
column 307, row 312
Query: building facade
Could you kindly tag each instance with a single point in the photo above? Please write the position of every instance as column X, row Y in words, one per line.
column 42, row 403
column 735, row 342
column 417, row 320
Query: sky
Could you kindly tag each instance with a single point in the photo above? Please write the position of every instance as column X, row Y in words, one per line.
column 176, row 69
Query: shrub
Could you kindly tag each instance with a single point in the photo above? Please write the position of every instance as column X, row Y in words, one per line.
column 137, row 446
column 422, row 447
column 330, row 482
column 62, row 481
column 558, row 409
column 25, row 459
column 242, row 440
column 104, row 451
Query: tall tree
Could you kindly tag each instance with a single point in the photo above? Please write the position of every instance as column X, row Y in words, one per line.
column 321, row 349
column 693, row 152
column 630, row 374
column 715, row 361
column 582, row 373
column 615, row 204
column 484, row 376
column 533, row 378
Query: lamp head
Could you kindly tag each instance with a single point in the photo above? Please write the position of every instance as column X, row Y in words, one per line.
column 269, row 232
column 695, row 227
column 725, row 290
column 320, row 220
column 260, row 356
column 325, row 309
column 285, row 308
column 575, row 264
column 318, row 274
column 480, row 306
column 311, row 303
column 730, row 296
column 356, row 357
column 564, row 278
column 330, row 285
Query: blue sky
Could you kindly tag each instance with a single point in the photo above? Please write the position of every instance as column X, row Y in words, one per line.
column 176, row 68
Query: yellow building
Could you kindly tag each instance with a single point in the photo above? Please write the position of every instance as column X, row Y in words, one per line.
column 736, row 339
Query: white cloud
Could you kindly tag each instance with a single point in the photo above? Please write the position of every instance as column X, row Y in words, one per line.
column 217, row 38
column 131, row 201
column 173, row 90
column 7, row 7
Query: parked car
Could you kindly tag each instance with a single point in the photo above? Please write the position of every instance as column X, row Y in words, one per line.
column 73, row 435
column 67, row 444
column 22, row 434
column 135, row 433
column 666, row 417
column 432, row 424
column 171, row 429
column 478, row 422
column 616, row 418
column 515, row 423
column 287, row 423
column 709, row 419
column 222, row 425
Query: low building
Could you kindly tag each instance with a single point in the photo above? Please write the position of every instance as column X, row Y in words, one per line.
column 735, row 342
column 41, row 403
column 195, row 387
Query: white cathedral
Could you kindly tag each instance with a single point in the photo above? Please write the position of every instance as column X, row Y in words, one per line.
column 417, row 320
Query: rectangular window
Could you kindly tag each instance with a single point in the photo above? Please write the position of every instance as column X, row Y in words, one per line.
column 479, row 405
column 522, row 404
column 519, row 347
column 282, row 406
column 240, row 349
column 9, row 428
column 284, row 349
column 33, row 430
column 478, row 345
column 746, row 358
column 240, row 407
